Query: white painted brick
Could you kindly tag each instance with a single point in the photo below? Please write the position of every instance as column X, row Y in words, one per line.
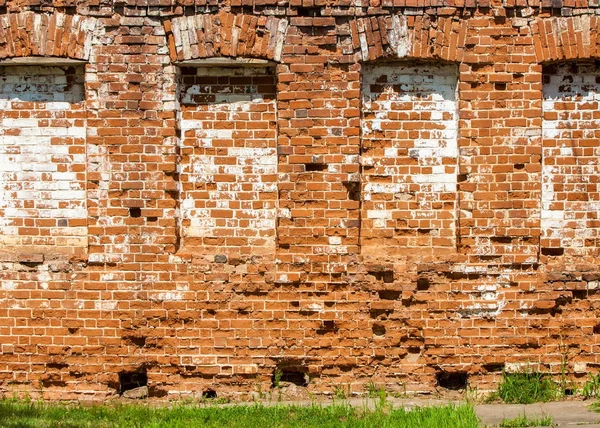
column 34, row 167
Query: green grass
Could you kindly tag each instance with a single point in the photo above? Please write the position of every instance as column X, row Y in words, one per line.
column 23, row 414
column 524, row 421
column 526, row 388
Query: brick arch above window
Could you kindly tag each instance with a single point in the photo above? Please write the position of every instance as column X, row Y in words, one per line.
column 566, row 38
column 31, row 34
column 401, row 36
column 226, row 35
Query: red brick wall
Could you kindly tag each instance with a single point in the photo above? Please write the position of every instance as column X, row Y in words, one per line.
column 228, row 164
column 43, row 198
column 311, row 215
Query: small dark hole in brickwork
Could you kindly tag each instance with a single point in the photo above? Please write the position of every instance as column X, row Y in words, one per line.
column 376, row 313
column 493, row 367
column 553, row 251
column 379, row 330
column 135, row 212
column 500, row 86
column 327, row 327
column 353, row 188
column 423, row 284
column 453, row 381
column 57, row 366
column 209, row 394
column 311, row 167
column 132, row 380
column 307, row 11
column 462, row 177
column 501, row 239
column 490, row 257
column 388, row 294
column 139, row 341
column 519, row 165
column 295, row 377
column 597, row 329
column 386, row 276
column 31, row 264
column 152, row 219
column 414, row 350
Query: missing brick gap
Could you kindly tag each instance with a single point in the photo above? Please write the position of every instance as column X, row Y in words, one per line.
column 553, row 252
column 135, row 212
column 315, row 167
column 387, row 276
column 353, row 188
column 453, row 381
column 423, row 284
column 289, row 372
column 133, row 381
column 209, row 394
column 379, row 330
column 389, row 294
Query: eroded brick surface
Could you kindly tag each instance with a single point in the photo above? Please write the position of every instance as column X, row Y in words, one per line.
column 570, row 194
column 228, row 167
column 401, row 194
column 43, row 171
column 409, row 157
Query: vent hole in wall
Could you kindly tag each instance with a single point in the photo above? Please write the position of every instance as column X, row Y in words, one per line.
column 311, row 167
column 379, row 330
column 454, row 381
column 387, row 276
column 353, row 188
column 555, row 252
column 132, row 380
column 295, row 377
column 209, row 394
column 423, row 284
column 135, row 212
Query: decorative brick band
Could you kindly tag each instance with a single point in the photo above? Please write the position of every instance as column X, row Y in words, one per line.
column 409, row 36
column 564, row 38
column 34, row 34
column 226, row 34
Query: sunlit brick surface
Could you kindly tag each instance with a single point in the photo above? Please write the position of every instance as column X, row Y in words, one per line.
column 42, row 158
column 228, row 159
column 409, row 157
column 571, row 166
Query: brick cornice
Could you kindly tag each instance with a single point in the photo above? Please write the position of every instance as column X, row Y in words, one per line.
column 566, row 38
column 46, row 35
column 225, row 35
column 403, row 36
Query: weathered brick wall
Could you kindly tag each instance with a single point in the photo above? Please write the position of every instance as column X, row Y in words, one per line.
column 43, row 198
column 409, row 158
column 399, row 192
column 228, row 164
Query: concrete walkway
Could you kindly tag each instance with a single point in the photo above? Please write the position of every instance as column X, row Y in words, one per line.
column 564, row 413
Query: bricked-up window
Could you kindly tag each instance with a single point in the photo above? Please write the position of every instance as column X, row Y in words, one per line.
column 409, row 157
column 571, row 159
column 42, row 159
column 228, row 159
